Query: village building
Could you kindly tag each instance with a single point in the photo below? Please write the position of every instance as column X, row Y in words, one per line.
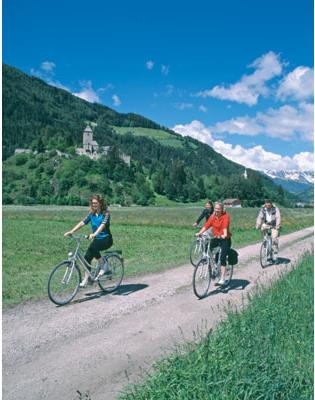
column 234, row 203
column 93, row 150
column 21, row 151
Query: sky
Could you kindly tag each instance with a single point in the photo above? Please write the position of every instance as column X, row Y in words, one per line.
column 237, row 75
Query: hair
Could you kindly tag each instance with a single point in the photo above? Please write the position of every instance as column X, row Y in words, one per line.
column 268, row 201
column 209, row 202
column 219, row 203
column 103, row 205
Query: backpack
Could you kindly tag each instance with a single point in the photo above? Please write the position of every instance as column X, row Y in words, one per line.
column 233, row 257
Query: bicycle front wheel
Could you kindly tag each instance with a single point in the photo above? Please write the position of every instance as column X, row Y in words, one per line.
column 112, row 278
column 63, row 283
column 202, row 278
column 264, row 254
column 196, row 251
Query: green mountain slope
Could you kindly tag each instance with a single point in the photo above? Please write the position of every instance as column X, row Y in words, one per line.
column 43, row 118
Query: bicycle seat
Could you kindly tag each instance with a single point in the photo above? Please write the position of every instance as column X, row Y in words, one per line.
column 112, row 251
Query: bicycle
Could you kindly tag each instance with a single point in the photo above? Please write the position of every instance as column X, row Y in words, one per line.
column 197, row 249
column 208, row 268
column 266, row 251
column 64, row 280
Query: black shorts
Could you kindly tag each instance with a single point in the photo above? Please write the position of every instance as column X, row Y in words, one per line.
column 94, row 250
column 225, row 245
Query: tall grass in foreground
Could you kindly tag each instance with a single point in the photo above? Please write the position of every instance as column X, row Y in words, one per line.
column 264, row 352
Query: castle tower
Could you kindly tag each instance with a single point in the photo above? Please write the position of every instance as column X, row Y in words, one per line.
column 87, row 138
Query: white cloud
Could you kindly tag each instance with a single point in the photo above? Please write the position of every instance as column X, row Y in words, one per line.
column 284, row 123
column 116, row 100
column 184, row 106
column 297, row 85
column 48, row 66
column 149, row 64
column 165, row 69
column 87, row 93
column 169, row 90
column 250, row 87
column 109, row 86
column 255, row 157
column 203, row 108
column 46, row 73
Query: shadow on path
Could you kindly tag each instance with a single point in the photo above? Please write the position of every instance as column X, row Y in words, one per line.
column 235, row 284
column 126, row 290
column 281, row 260
column 123, row 290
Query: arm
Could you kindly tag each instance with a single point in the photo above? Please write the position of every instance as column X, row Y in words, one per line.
column 225, row 226
column 77, row 227
column 278, row 219
column 259, row 219
column 199, row 218
column 98, row 230
column 205, row 227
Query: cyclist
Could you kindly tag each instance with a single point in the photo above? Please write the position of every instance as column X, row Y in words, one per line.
column 269, row 215
column 220, row 223
column 206, row 213
column 102, row 238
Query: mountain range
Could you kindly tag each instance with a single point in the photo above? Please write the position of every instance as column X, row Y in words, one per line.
column 45, row 119
column 298, row 182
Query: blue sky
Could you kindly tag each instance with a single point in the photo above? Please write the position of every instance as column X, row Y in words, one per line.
column 237, row 75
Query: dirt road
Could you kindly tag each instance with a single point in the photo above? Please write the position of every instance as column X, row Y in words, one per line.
column 99, row 343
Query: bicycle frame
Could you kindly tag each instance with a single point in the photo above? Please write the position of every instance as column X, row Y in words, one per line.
column 209, row 255
column 76, row 256
column 267, row 238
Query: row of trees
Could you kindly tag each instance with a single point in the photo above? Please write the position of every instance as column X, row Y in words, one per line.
column 46, row 178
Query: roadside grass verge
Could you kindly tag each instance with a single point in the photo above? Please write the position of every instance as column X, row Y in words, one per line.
column 263, row 352
column 152, row 239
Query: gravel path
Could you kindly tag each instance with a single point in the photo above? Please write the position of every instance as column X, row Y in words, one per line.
column 99, row 343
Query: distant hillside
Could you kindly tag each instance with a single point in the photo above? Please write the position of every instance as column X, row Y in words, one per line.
column 43, row 118
column 307, row 195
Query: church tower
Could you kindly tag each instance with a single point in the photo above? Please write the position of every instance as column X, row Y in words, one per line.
column 88, row 139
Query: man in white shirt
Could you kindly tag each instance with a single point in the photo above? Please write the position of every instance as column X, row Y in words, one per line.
column 269, row 216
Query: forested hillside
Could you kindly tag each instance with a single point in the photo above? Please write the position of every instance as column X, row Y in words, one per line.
column 44, row 118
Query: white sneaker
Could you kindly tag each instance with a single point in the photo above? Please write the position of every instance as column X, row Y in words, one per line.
column 100, row 274
column 221, row 282
column 83, row 284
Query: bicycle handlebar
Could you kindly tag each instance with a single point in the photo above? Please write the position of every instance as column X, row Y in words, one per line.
column 77, row 237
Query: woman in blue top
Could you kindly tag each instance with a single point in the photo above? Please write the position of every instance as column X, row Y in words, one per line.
column 101, row 236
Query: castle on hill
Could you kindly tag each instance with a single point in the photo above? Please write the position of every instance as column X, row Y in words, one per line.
column 93, row 150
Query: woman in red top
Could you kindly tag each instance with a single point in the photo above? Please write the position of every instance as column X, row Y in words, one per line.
column 220, row 223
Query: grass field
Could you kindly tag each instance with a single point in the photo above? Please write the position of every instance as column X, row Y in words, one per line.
column 152, row 239
column 262, row 353
column 165, row 138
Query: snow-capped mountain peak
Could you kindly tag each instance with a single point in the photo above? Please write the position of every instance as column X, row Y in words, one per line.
column 292, row 175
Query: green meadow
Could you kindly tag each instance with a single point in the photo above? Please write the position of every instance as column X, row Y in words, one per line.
column 152, row 239
column 264, row 352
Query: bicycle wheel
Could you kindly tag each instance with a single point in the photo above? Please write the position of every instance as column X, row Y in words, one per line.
column 114, row 275
column 63, row 283
column 228, row 274
column 196, row 251
column 201, row 278
column 264, row 254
